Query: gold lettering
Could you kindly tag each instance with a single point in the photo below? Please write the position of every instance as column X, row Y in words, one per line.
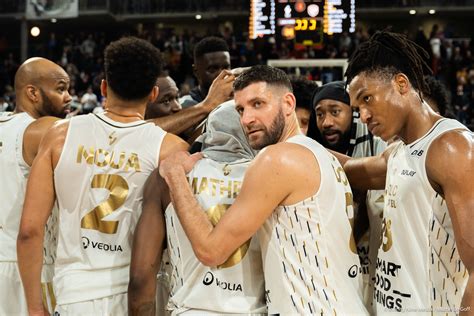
column 89, row 157
column 98, row 154
column 214, row 183
column 224, row 188
column 133, row 162
column 214, row 214
column 386, row 236
column 203, row 186
column 194, row 185
column 120, row 163
column 237, row 186
column 350, row 215
column 118, row 189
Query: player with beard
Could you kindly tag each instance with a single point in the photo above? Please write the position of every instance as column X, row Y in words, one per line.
column 294, row 191
column 42, row 97
column 336, row 126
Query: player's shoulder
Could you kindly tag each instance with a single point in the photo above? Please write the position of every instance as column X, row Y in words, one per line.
column 285, row 155
column 453, row 143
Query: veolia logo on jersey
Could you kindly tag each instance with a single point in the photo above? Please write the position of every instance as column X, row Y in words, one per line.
column 210, row 279
column 90, row 244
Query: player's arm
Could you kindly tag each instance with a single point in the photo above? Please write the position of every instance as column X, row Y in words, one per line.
column 219, row 92
column 34, row 133
column 450, row 165
column 367, row 173
column 269, row 180
column 39, row 200
column 148, row 247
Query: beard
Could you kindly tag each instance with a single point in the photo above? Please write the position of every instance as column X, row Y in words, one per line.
column 342, row 145
column 48, row 109
column 271, row 135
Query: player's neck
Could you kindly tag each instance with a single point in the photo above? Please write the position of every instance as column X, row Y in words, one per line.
column 291, row 129
column 419, row 121
column 124, row 115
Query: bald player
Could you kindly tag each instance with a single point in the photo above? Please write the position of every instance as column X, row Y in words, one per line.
column 42, row 97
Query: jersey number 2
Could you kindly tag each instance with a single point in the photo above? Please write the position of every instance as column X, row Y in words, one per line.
column 118, row 189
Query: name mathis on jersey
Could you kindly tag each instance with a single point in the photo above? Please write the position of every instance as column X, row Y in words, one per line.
column 88, row 243
column 210, row 279
column 215, row 187
column 102, row 158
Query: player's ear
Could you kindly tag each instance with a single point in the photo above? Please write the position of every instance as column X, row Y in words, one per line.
column 289, row 103
column 103, row 88
column 32, row 92
column 154, row 94
column 402, row 83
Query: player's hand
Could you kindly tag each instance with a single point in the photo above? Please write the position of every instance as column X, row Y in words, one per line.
column 180, row 161
column 220, row 91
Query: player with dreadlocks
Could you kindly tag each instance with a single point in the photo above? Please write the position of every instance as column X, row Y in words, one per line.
column 426, row 258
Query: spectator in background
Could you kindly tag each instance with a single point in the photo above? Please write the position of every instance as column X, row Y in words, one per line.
column 303, row 90
column 211, row 56
column 462, row 105
column 89, row 101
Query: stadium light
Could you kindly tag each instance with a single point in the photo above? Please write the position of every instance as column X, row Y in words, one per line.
column 432, row 11
column 198, row 16
column 35, row 31
column 54, row 20
column 412, row 12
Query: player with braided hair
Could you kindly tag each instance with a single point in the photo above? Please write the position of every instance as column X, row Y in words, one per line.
column 426, row 255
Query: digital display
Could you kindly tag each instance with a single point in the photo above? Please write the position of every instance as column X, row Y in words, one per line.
column 303, row 21
column 339, row 16
column 262, row 18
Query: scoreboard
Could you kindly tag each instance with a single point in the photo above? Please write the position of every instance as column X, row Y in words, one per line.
column 304, row 21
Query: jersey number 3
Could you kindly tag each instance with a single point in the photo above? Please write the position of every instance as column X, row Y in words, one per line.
column 118, row 189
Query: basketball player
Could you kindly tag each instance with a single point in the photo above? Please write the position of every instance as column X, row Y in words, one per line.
column 296, row 191
column 41, row 89
column 167, row 102
column 211, row 57
column 168, row 114
column 235, row 286
column 96, row 166
column 336, row 126
column 427, row 253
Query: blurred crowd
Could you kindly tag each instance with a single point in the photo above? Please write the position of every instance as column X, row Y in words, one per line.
column 80, row 54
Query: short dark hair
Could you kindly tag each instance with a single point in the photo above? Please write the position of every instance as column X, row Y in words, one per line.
column 210, row 44
column 303, row 90
column 132, row 66
column 387, row 54
column 262, row 73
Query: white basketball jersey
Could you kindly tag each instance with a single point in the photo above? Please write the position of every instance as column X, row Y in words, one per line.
column 237, row 285
column 418, row 266
column 99, row 183
column 309, row 254
column 14, row 174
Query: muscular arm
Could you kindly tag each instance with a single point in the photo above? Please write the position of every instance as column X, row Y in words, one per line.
column 219, row 92
column 148, row 247
column 39, row 200
column 271, row 180
column 453, row 152
column 366, row 173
